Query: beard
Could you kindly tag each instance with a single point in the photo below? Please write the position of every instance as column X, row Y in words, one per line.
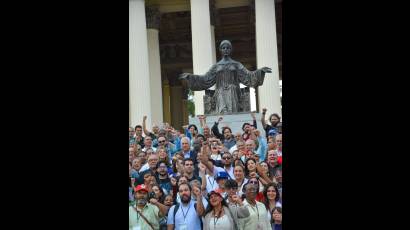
column 141, row 202
column 185, row 199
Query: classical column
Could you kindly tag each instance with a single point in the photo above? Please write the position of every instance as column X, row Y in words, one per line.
column 177, row 105
column 139, row 95
column 166, row 99
column 201, row 45
column 153, row 22
column 267, row 55
column 212, row 15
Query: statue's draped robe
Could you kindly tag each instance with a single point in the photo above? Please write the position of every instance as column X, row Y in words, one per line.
column 227, row 77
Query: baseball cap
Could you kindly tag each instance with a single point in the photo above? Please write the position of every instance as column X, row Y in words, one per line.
column 141, row 187
column 222, row 175
column 272, row 132
column 214, row 192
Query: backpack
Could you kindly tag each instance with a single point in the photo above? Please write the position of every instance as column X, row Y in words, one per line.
column 176, row 209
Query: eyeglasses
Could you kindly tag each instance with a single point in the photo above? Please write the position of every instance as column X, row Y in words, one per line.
column 253, row 182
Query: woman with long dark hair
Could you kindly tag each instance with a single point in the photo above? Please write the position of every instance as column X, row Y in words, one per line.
column 271, row 197
column 218, row 214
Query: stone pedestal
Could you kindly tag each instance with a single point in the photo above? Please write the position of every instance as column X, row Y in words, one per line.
column 234, row 121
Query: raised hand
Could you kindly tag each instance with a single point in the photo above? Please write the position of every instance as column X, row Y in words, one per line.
column 220, row 119
column 173, row 181
column 197, row 192
column 264, row 110
column 153, row 201
column 266, row 69
column 253, row 115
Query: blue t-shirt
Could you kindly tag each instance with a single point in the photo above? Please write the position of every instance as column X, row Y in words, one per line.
column 185, row 216
column 276, row 226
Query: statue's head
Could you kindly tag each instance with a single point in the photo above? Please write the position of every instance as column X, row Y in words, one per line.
column 225, row 47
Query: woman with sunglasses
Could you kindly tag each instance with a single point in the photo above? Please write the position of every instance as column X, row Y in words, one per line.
column 258, row 219
column 259, row 194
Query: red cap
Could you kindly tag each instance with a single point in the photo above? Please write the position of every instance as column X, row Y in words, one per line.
column 141, row 187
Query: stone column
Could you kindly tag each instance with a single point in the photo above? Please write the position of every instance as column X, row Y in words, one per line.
column 153, row 22
column 177, row 105
column 139, row 87
column 267, row 55
column 201, row 45
column 166, row 100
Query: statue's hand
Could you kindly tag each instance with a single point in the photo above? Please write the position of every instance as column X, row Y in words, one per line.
column 184, row 76
column 266, row 69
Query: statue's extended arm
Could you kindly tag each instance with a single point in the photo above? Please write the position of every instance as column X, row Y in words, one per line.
column 252, row 78
column 200, row 82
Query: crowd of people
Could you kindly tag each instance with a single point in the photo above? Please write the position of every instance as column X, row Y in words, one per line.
column 206, row 177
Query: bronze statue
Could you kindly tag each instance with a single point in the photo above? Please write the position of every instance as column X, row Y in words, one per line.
column 226, row 75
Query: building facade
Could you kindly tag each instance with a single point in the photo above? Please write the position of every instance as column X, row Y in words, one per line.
column 170, row 37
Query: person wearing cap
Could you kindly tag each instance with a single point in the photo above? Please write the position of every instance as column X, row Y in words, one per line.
column 235, row 203
column 221, row 178
column 258, row 218
column 218, row 214
column 143, row 215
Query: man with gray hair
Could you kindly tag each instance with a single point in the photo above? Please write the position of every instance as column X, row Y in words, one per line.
column 186, row 150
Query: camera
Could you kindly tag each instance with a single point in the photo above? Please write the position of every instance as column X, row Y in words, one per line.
column 151, row 195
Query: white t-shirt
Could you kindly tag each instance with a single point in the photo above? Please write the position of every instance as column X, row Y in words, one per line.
column 221, row 223
column 211, row 183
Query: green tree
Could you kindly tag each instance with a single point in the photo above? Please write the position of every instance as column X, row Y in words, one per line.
column 191, row 104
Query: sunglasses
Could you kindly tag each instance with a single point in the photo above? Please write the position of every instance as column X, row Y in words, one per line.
column 226, row 158
column 253, row 182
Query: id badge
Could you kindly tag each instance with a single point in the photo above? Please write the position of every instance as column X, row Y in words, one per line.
column 183, row 226
column 136, row 228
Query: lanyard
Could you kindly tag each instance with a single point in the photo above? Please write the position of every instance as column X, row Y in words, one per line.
column 185, row 214
column 216, row 218
column 212, row 184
